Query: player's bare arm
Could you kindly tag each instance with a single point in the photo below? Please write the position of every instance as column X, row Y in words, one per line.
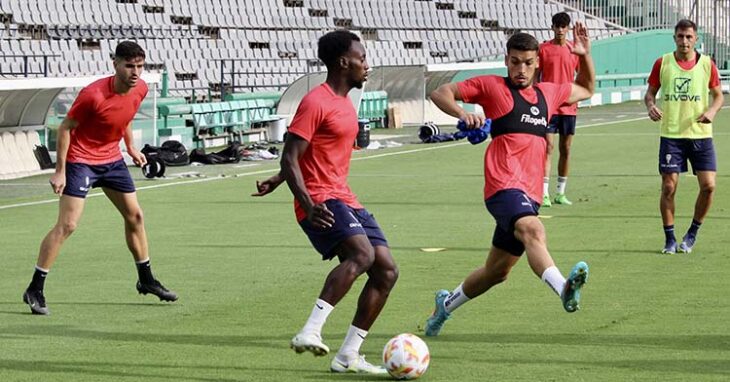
column 445, row 97
column 58, row 179
column 294, row 148
column 269, row 185
column 585, row 81
column 717, row 101
column 654, row 112
column 137, row 157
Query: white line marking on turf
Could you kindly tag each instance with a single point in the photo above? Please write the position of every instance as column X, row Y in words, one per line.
column 410, row 151
column 92, row 195
column 272, row 170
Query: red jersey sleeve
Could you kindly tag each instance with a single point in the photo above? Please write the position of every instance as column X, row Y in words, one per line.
column 714, row 76
column 473, row 90
column 81, row 107
column 654, row 76
column 555, row 94
column 308, row 117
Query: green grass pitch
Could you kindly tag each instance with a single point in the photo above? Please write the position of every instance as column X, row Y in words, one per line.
column 247, row 276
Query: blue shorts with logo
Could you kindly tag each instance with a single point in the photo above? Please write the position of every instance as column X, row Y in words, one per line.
column 674, row 154
column 562, row 124
column 348, row 222
column 507, row 206
column 80, row 178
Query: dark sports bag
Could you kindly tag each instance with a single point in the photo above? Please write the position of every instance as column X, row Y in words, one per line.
column 231, row 154
column 43, row 157
column 172, row 153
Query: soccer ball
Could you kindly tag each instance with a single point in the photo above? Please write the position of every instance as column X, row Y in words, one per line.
column 406, row 356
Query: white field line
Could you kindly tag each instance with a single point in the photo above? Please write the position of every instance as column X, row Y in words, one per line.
column 273, row 170
column 92, row 195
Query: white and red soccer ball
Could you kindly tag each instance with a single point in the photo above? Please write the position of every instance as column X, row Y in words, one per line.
column 406, row 356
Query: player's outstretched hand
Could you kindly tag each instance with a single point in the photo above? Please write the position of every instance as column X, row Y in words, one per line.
column 58, row 182
column 137, row 157
column 320, row 216
column 581, row 40
column 472, row 121
column 267, row 186
column 655, row 113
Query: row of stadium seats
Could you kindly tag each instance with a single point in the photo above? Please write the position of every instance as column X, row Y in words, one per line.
column 16, row 154
column 190, row 37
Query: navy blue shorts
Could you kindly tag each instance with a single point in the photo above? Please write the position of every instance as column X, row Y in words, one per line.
column 348, row 222
column 674, row 154
column 80, row 178
column 562, row 124
column 507, row 206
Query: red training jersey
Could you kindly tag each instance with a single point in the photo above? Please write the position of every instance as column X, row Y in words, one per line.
column 329, row 123
column 512, row 161
column 102, row 117
column 655, row 81
column 559, row 65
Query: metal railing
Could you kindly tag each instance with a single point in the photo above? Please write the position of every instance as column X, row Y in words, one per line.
column 711, row 16
column 27, row 69
column 231, row 71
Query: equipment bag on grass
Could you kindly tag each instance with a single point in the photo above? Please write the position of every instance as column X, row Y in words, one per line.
column 172, row 153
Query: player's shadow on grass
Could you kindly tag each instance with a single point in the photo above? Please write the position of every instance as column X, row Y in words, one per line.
column 250, row 246
column 698, row 342
column 689, row 367
column 608, row 251
column 19, row 313
column 136, row 371
column 631, row 217
column 226, row 202
column 66, row 331
column 329, row 376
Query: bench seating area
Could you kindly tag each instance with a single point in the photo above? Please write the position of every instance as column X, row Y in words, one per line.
column 220, row 122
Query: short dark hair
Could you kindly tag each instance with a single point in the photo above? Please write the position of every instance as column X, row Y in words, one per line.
column 561, row 19
column 685, row 24
column 129, row 50
column 523, row 42
column 334, row 45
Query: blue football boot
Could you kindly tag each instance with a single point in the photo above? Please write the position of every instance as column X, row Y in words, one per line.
column 571, row 292
column 439, row 316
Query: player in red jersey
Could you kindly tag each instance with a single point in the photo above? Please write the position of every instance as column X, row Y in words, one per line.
column 513, row 167
column 559, row 65
column 88, row 156
column 315, row 164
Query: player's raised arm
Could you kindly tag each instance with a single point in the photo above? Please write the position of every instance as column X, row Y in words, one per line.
column 585, row 81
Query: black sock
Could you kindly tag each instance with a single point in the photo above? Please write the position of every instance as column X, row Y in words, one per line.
column 669, row 233
column 694, row 228
column 39, row 279
column 145, row 272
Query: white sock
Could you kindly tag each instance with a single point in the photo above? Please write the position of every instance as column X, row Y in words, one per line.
column 319, row 315
column 351, row 345
column 554, row 279
column 562, row 183
column 42, row 270
column 546, row 185
column 456, row 299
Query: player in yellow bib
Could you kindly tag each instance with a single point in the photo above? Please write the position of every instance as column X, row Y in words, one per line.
column 686, row 116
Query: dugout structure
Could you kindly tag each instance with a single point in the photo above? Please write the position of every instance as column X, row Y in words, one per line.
column 407, row 88
column 27, row 105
